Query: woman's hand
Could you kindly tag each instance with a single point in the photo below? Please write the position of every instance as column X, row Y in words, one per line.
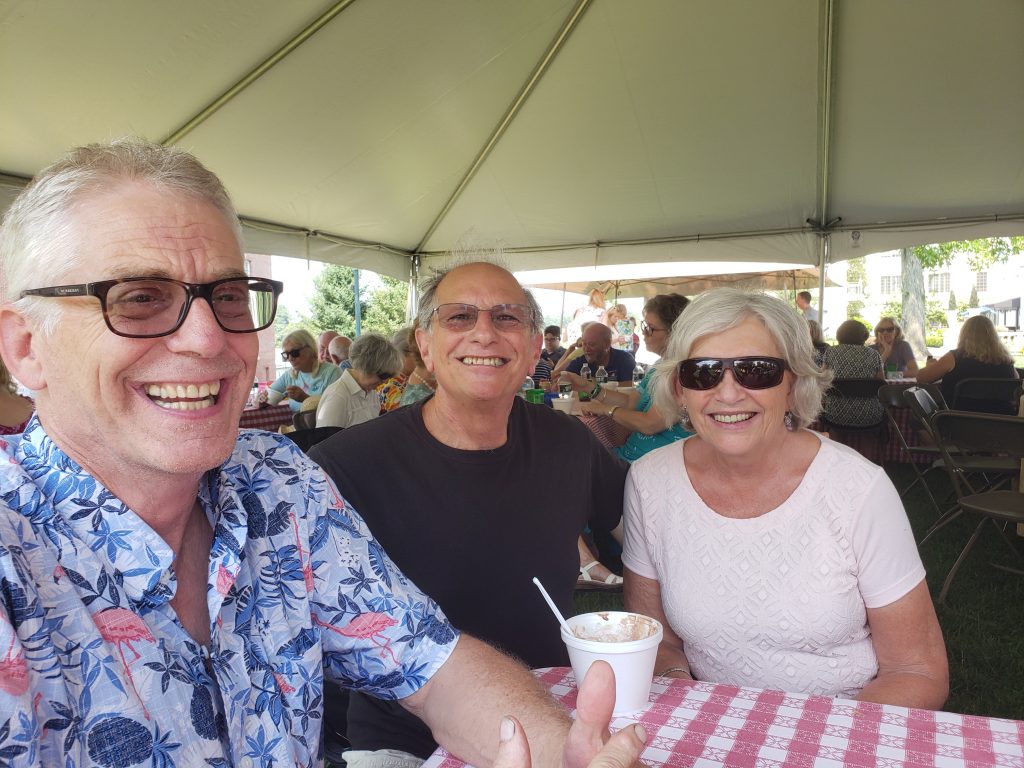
column 296, row 393
column 590, row 408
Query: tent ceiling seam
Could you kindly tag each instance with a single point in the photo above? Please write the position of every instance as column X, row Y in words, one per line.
column 510, row 114
column 256, row 73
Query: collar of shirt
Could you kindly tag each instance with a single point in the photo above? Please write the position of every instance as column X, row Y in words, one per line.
column 352, row 386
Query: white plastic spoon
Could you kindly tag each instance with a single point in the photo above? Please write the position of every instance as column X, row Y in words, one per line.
column 551, row 604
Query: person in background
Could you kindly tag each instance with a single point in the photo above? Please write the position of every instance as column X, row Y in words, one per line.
column 622, row 329
column 634, row 408
column 597, row 351
column 221, row 595
column 15, row 410
column 450, row 486
column 391, row 389
column 803, row 303
column 894, row 349
column 572, row 353
column 421, row 383
column 308, row 374
column 553, row 350
column 353, row 398
column 817, row 341
column 338, row 351
column 592, row 312
column 323, row 344
column 773, row 556
column 978, row 354
column 850, row 359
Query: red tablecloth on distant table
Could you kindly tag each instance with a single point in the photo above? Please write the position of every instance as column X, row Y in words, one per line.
column 700, row 724
column 269, row 417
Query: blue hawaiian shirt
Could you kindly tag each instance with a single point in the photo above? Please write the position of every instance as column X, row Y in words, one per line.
column 96, row 670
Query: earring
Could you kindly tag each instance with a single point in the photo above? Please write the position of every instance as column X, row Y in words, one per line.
column 684, row 419
column 788, row 420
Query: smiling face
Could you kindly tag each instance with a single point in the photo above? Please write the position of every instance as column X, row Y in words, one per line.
column 733, row 420
column 483, row 363
column 138, row 410
column 597, row 342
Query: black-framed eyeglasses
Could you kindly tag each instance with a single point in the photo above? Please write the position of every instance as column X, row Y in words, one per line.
column 647, row 330
column 292, row 354
column 462, row 317
column 750, row 372
column 148, row 307
column 887, row 330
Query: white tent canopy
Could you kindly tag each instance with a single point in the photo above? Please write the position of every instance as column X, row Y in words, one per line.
column 571, row 132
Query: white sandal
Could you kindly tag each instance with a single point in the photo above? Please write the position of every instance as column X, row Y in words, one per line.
column 586, row 581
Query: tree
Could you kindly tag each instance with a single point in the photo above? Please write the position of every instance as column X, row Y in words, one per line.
column 333, row 301
column 386, row 307
column 952, row 300
column 913, row 303
column 973, row 301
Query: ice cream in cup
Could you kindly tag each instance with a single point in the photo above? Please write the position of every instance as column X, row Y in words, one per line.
column 627, row 641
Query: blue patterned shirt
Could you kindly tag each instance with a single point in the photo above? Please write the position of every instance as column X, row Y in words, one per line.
column 95, row 668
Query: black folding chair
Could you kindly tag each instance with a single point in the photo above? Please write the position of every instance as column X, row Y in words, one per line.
column 997, row 396
column 891, row 398
column 971, row 434
column 858, row 391
column 988, row 471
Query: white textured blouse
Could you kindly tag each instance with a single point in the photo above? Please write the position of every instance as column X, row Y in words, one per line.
column 777, row 601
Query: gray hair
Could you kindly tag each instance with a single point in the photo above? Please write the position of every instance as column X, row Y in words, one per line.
column 724, row 308
column 400, row 339
column 37, row 241
column 428, row 294
column 372, row 353
column 302, row 338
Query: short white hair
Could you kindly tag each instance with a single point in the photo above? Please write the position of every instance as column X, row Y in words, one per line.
column 37, row 245
column 725, row 308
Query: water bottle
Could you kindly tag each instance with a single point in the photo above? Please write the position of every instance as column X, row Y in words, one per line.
column 585, row 373
column 527, row 386
column 601, row 377
column 638, row 374
column 564, row 387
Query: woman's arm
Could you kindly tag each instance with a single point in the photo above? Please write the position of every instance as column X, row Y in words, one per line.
column 912, row 666
column 650, row 422
column 643, row 595
column 938, row 369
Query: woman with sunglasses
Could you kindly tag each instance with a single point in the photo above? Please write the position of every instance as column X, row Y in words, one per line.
column 634, row 407
column 894, row 349
column 774, row 557
column 308, row 375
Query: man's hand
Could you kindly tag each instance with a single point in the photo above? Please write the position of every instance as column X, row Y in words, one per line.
column 577, row 382
column 296, row 393
column 585, row 747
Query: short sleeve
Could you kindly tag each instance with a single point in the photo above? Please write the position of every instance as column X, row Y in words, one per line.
column 636, row 553
column 889, row 565
column 379, row 633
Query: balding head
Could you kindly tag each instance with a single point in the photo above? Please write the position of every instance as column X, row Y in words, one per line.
column 337, row 349
column 597, row 341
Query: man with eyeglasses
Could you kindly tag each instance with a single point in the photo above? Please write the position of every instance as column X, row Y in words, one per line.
column 173, row 590
column 553, row 350
column 449, row 486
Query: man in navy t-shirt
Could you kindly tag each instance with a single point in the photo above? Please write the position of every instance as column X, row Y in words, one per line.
column 597, row 351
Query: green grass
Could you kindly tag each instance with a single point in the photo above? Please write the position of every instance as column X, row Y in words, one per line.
column 983, row 619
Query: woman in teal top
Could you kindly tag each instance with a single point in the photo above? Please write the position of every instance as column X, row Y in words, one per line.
column 633, row 408
column 308, row 376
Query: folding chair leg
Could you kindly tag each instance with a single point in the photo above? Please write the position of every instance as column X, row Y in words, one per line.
column 959, row 561
column 945, row 519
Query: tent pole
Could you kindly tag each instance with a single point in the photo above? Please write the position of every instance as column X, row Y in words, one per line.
column 826, row 241
column 561, row 317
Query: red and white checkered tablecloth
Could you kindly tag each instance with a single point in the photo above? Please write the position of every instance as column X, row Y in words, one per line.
column 701, row 724
column 269, row 417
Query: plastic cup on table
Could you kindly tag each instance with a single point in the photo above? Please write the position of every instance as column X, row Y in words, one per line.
column 627, row 641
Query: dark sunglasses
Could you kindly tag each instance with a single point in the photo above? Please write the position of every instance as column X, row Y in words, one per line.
column 886, row 330
column 750, row 372
column 292, row 353
column 462, row 317
column 148, row 307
